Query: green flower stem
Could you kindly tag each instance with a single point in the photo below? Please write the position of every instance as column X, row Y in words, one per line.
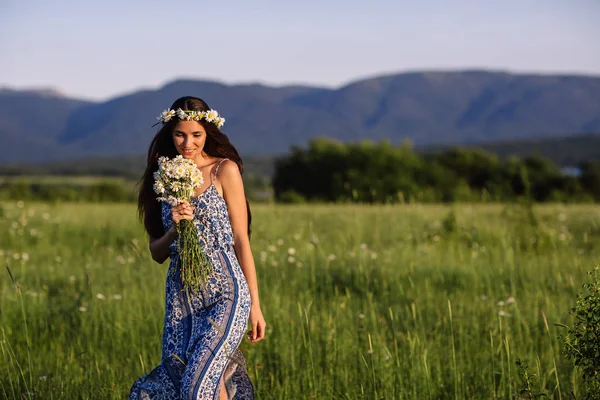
column 195, row 265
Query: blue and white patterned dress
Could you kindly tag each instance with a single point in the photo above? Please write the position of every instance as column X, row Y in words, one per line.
column 202, row 331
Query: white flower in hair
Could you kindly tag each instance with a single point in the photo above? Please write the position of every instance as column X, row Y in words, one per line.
column 191, row 115
column 182, row 114
column 166, row 115
column 211, row 115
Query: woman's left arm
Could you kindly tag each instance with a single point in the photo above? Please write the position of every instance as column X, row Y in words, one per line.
column 233, row 193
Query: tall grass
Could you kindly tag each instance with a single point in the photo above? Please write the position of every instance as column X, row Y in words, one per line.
column 403, row 302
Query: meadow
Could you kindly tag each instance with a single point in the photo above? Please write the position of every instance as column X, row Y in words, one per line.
column 361, row 302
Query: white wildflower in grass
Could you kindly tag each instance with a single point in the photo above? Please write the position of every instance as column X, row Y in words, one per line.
column 116, row 297
column 297, row 236
column 272, row 248
column 510, row 300
column 82, row 309
column 361, row 315
column 45, row 216
column 500, row 303
column 373, row 255
column 503, row 314
column 179, row 177
column 58, row 259
column 15, row 225
column 25, row 256
column 279, row 242
column 100, row 296
column 299, row 264
column 72, row 278
column 17, row 256
column 1, row 252
column 20, row 204
column 291, row 251
column 562, row 217
column 291, row 259
column 43, row 378
column 436, row 238
column 33, row 232
column 331, row 257
column 263, row 256
column 274, row 263
column 483, row 297
column 363, row 246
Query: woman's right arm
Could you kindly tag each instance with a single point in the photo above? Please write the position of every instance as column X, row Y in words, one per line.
column 159, row 248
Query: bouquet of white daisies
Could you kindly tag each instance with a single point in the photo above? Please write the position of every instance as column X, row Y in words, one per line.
column 175, row 181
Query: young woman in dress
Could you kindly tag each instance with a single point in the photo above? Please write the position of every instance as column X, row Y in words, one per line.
column 203, row 329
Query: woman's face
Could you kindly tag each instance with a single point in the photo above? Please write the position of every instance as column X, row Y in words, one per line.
column 189, row 138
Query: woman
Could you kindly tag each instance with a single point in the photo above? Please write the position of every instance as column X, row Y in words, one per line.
column 202, row 329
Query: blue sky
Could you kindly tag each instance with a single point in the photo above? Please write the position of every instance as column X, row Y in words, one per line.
column 101, row 49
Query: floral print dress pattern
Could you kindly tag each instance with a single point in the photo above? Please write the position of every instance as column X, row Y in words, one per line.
column 202, row 331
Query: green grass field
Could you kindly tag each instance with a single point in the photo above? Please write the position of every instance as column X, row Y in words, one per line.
column 361, row 302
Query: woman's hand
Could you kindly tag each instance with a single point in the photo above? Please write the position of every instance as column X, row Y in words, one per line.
column 258, row 325
column 182, row 211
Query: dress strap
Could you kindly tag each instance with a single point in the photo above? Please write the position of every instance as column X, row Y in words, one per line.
column 217, row 169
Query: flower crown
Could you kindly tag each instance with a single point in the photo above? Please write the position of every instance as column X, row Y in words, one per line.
column 187, row 115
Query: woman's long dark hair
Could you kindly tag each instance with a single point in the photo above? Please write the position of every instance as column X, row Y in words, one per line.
column 217, row 145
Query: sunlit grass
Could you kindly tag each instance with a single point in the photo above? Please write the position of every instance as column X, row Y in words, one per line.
column 391, row 302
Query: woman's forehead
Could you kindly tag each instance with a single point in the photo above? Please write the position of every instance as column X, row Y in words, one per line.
column 189, row 127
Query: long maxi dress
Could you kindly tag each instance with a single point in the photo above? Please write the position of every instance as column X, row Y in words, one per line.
column 202, row 331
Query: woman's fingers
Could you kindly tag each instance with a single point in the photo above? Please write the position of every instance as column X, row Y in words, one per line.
column 260, row 332
column 254, row 330
column 182, row 211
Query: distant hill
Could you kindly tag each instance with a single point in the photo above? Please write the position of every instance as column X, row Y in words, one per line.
column 429, row 108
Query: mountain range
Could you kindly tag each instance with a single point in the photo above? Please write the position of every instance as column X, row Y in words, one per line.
column 429, row 108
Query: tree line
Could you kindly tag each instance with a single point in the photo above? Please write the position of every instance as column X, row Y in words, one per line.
column 367, row 172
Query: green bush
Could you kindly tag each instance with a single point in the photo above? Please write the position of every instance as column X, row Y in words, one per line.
column 582, row 341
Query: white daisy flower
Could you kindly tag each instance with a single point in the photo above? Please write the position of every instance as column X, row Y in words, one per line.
column 182, row 114
column 159, row 188
column 166, row 115
column 211, row 115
